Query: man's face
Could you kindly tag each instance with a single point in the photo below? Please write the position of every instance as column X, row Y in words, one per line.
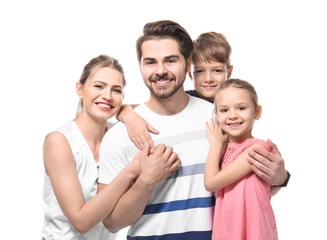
column 163, row 67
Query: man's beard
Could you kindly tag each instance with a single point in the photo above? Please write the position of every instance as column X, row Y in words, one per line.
column 164, row 93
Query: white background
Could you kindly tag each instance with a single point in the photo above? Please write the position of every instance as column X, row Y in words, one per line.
column 279, row 46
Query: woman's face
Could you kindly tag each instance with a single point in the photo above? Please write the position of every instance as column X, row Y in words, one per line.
column 102, row 93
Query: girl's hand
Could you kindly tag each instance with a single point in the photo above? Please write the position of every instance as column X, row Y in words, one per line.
column 215, row 133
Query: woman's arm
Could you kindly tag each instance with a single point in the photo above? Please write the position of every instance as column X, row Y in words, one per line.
column 138, row 129
column 155, row 167
column 60, row 167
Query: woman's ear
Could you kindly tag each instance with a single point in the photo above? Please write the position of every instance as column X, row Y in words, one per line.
column 259, row 112
column 79, row 90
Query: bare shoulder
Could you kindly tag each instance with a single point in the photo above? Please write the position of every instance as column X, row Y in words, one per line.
column 56, row 150
column 54, row 140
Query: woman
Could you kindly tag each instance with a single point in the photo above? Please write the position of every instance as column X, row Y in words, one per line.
column 72, row 207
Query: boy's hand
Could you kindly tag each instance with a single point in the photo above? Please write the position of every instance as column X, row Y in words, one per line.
column 215, row 133
column 137, row 128
column 140, row 133
column 270, row 166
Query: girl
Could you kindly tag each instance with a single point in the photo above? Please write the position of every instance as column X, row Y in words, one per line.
column 243, row 209
column 72, row 207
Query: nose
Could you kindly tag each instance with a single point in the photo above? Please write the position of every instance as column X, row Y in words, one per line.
column 161, row 69
column 232, row 115
column 107, row 94
column 208, row 77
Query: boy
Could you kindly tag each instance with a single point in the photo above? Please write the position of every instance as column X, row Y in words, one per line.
column 211, row 64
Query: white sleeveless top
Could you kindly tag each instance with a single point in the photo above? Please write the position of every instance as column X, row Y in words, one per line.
column 56, row 224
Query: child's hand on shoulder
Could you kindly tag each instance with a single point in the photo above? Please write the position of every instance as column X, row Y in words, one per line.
column 215, row 133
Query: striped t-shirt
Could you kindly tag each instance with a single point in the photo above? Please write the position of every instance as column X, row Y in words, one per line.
column 180, row 207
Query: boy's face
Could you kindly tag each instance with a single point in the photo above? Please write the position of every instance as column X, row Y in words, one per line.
column 208, row 76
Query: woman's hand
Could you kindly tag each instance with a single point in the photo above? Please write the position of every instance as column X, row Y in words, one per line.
column 158, row 165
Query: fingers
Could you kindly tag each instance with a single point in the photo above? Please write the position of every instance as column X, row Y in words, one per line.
column 146, row 149
column 159, row 149
column 262, row 155
column 152, row 129
column 148, row 139
column 207, row 126
column 273, row 147
column 268, row 166
column 266, row 177
column 212, row 125
column 171, row 158
column 174, row 159
column 137, row 141
column 168, row 152
column 140, row 141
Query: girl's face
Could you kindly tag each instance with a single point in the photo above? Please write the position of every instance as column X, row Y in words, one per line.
column 102, row 93
column 236, row 113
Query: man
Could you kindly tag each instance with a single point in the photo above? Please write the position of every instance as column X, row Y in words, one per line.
column 178, row 207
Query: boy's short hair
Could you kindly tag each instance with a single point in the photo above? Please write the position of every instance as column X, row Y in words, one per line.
column 212, row 46
column 166, row 29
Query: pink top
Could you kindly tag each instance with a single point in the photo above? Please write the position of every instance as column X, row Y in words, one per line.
column 243, row 210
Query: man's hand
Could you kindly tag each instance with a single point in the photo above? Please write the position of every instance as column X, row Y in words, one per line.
column 158, row 165
column 269, row 166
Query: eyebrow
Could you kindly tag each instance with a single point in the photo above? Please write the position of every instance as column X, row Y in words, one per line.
column 237, row 104
column 99, row 81
column 165, row 58
column 222, row 106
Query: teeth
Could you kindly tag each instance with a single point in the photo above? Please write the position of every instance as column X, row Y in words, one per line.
column 163, row 81
column 104, row 105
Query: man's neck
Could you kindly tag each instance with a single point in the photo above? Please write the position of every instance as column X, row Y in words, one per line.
column 168, row 106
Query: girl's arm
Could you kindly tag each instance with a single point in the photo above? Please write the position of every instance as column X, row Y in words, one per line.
column 60, row 167
column 237, row 169
column 138, row 129
column 218, row 142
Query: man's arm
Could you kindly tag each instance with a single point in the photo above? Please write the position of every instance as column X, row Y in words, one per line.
column 270, row 166
column 154, row 167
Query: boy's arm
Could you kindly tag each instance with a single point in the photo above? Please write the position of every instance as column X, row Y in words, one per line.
column 270, row 166
column 138, row 129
